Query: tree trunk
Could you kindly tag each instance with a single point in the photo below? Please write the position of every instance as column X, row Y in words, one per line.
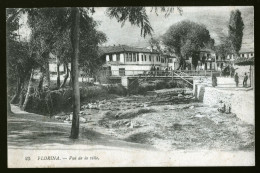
column 58, row 75
column 30, row 85
column 9, row 110
column 14, row 100
column 21, row 99
column 66, row 76
column 47, row 73
column 75, row 72
column 41, row 80
column 70, row 82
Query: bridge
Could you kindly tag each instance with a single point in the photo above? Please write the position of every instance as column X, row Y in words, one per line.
column 128, row 77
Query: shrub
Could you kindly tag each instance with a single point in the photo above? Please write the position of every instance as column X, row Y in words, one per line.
column 160, row 84
column 91, row 92
column 117, row 89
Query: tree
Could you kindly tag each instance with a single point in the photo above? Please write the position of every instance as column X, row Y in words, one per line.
column 19, row 62
column 75, row 73
column 186, row 38
column 236, row 27
column 224, row 49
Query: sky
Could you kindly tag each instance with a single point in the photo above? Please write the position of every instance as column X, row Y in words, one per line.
column 214, row 18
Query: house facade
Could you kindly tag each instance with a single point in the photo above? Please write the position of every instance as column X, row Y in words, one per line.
column 125, row 60
column 246, row 53
column 207, row 60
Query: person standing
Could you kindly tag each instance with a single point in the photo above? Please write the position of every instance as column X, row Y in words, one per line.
column 245, row 80
column 236, row 79
column 214, row 80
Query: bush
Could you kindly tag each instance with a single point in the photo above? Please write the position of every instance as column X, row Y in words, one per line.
column 117, row 89
column 91, row 92
column 160, row 84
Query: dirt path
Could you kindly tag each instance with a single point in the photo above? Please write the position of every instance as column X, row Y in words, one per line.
column 32, row 131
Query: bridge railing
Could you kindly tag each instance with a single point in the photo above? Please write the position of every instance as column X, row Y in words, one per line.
column 160, row 73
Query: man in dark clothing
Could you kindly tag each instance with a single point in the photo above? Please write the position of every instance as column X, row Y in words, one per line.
column 245, row 80
column 214, row 80
column 236, row 79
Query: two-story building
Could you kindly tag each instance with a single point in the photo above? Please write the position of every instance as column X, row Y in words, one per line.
column 125, row 60
column 207, row 60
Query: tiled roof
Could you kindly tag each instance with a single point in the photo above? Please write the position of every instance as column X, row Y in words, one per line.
column 123, row 48
column 245, row 50
column 206, row 50
column 244, row 61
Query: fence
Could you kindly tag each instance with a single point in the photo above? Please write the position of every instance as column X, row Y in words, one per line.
column 160, row 73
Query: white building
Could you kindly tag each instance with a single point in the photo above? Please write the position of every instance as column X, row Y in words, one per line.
column 125, row 60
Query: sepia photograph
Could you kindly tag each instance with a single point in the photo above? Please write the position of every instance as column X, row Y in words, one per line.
column 130, row 86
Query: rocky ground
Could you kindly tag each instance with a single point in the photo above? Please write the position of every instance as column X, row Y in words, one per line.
column 166, row 122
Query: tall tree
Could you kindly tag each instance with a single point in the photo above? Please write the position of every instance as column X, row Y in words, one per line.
column 19, row 63
column 236, row 27
column 186, row 38
column 75, row 71
column 224, row 49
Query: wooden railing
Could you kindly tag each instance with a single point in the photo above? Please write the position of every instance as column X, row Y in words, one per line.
column 160, row 73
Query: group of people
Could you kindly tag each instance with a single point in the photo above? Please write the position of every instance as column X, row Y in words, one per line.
column 244, row 80
column 154, row 71
column 236, row 77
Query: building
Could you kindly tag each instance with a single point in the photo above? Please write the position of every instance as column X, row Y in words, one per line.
column 207, row 59
column 246, row 53
column 124, row 60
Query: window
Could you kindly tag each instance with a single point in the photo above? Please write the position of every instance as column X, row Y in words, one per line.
column 170, row 60
column 117, row 57
column 142, row 57
column 130, row 57
column 121, row 71
column 150, row 58
column 134, row 57
column 126, row 57
column 110, row 57
column 159, row 58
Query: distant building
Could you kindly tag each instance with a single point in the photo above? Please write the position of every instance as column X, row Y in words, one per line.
column 246, row 53
column 53, row 65
column 207, row 59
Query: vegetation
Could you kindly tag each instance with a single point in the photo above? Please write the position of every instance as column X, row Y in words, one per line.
column 236, row 27
column 231, row 43
column 186, row 38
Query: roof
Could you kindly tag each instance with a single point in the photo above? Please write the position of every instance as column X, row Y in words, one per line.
column 124, row 48
column 246, row 50
column 244, row 61
column 206, row 50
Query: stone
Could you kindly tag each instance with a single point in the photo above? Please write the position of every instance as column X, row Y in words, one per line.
column 82, row 120
column 199, row 116
column 192, row 107
column 180, row 95
column 57, row 117
column 101, row 106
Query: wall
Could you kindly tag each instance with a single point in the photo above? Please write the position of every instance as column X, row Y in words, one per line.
column 241, row 101
column 138, row 69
